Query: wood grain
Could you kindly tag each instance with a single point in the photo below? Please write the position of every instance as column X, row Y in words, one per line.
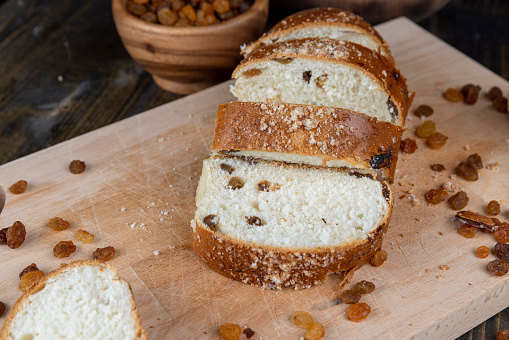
column 149, row 164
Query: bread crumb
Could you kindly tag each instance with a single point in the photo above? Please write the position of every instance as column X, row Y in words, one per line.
column 452, row 177
column 122, row 209
column 440, row 232
column 444, row 267
column 155, row 252
column 426, row 270
column 493, row 166
column 401, row 235
column 467, row 147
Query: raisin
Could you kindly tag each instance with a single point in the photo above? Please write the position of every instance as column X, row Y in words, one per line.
column 320, row 81
column 453, row 95
column 2, row 309
column 379, row 258
column 498, row 267
column 16, row 235
column 408, row 145
column 211, row 222
column 350, row 296
column 470, row 92
column 500, row 104
column 475, row 161
column 495, row 92
column 58, row 224
column 306, row 76
column 135, row 8
column 393, row 109
column 264, row 186
column 230, row 331
column 437, row 167
column 302, row 319
column 149, row 17
column 501, row 251
column 482, row 252
column 248, row 332
column 167, row 17
column 19, row 187
column 467, row 230
column 84, row 236
column 283, row 61
column 3, row 235
column 436, row 140
column 235, row 183
column 253, row 220
column 64, row 249
column 358, row 311
column 435, row 196
column 104, row 254
column 227, row 168
column 458, row 201
column 29, row 268
column 364, row 287
column 221, row 6
column 426, row 129
column 502, row 335
column 30, row 279
column 316, row 332
column 77, row 167
column 466, row 172
column 252, row 72
column 502, row 233
column 423, row 111
column 189, row 12
column 493, row 208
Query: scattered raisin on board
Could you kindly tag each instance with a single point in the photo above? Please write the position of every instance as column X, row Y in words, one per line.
column 502, row 235
column 302, row 319
column 364, row 287
column 58, row 224
column 358, row 311
column 30, row 268
column 64, row 249
column 235, row 183
column 408, row 145
column 84, row 236
column 494, row 93
column 2, row 309
column 471, row 93
column 350, row 296
column 316, row 332
column 226, row 168
column 424, row 111
column 248, row 332
column 436, row 140
column 19, row 187
column 493, row 208
column 502, row 335
column 467, row 230
column 466, row 172
column 482, row 252
column 437, row 167
column 379, row 258
column 230, row 331
column 500, row 104
column 475, row 161
column 3, row 235
column 426, row 129
column 453, row 95
column 435, row 196
column 104, row 254
column 501, row 250
column 211, row 222
column 458, row 201
column 30, row 279
column 77, row 167
column 16, row 235
column 253, row 220
column 498, row 267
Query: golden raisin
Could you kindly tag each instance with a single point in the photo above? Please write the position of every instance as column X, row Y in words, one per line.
column 482, row 252
column 77, row 167
column 470, row 92
column 135, row 8
column 502, row 335
column 453, row 95
column 358, row 311
column 458, row 201
column 320, row 81
column 283, row 61
column 221, row 6
column 104, row 254
column 467, row 230
column 498, row 267
column 64, row 249
column 3, row 235
column 253, row 220
column 426, row 129
column 230, row 331
column 424, row 111
column 189, row 12
column 149, row 17
column 248, row 332
column 2, row 309
column 235, row 183
column 501, row 251
column 475, row 161
column 30, row 279
column 227, row 168
column 16, row 235
column 252, row 72
column 141, row 2
column 58, row 224
column 364, row 287
column 379, row 258
column 30, row 268
column 435, row 196
column 493, row 208
column 167, row 17
column 502, row 235
column 316, row 332
column 408, row 145
column 436, row 140
column 466, row 172
column 500, row 104
column 350, row 296
column 84, row 236
column 302, row 319
column 211, row 222
column 494, row 93
column 19, row 187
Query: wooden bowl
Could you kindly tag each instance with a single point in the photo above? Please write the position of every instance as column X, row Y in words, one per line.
column 188, row 59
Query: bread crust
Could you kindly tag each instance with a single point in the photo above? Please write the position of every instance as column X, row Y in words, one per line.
column 20, row 303
column 327, row 133
column 320, row 17
column 347, row 53
column 275, row 268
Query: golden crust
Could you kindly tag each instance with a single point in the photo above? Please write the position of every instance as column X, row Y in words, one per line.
column 20, row 303
column 353, row 55
column 276, row 268
column 328, row 133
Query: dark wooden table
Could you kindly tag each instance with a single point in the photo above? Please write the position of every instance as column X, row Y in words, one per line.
column 64, row 72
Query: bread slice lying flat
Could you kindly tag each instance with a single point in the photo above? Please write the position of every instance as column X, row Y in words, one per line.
column 321, row 71
column 81, row 300
column 331, row 23
column 274, row 225
column 304, row 134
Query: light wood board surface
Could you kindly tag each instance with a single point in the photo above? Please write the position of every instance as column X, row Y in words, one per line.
column 137, row 195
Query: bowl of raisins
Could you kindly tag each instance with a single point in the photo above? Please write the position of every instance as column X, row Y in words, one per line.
column 188, row 45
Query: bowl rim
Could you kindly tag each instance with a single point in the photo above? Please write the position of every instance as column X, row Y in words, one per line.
column 118, row 6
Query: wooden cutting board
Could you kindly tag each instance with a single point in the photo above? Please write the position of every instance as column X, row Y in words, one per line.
column 137, row 195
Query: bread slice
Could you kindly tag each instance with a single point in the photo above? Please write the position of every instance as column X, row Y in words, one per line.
column 304, row 134
column 80, row 300
column 331, row 23
column 286, row 225
column 320, row 71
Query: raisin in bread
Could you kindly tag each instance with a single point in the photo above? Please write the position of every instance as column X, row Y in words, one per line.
column 81, row 300
column 275, row 225
column 331, row 23
column 321, row 71
column 304, row 134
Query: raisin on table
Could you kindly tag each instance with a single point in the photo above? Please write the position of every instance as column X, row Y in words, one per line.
column 104, row 254
column 408, row 145
column 19, row 187
column 350, row 296
column 493, row 208
column 16, row 235
column 498, row 267
column 502, row 335
column 501, row 251
column 494, row 93
column 482, row 252
column 3, row 235
column 437, row 167
column 84, row 236
column 302, row 319
column 502, row 234
column 77, row 167
column 436, row 140
column 30, row 279
column 358, row 311
column 435, row 196
column 248, row 332
column 424, row 111
column 364, row 287
column 379, row 258
column 316, row 332
column 64, row 249
column 467, row 172
column 2, row 309
column 471, row 93
column 475, row 161
column 30, row 268
column 467, row 230
column 458, row 201
column 230, row 331
column 426, row 129
column 453, row 95
column 58, row 224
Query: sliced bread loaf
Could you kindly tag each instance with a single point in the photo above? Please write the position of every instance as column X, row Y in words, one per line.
column 81, row 300
column 331, row 23
column 304, row 134
column 274, row 225
column 321, row 71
